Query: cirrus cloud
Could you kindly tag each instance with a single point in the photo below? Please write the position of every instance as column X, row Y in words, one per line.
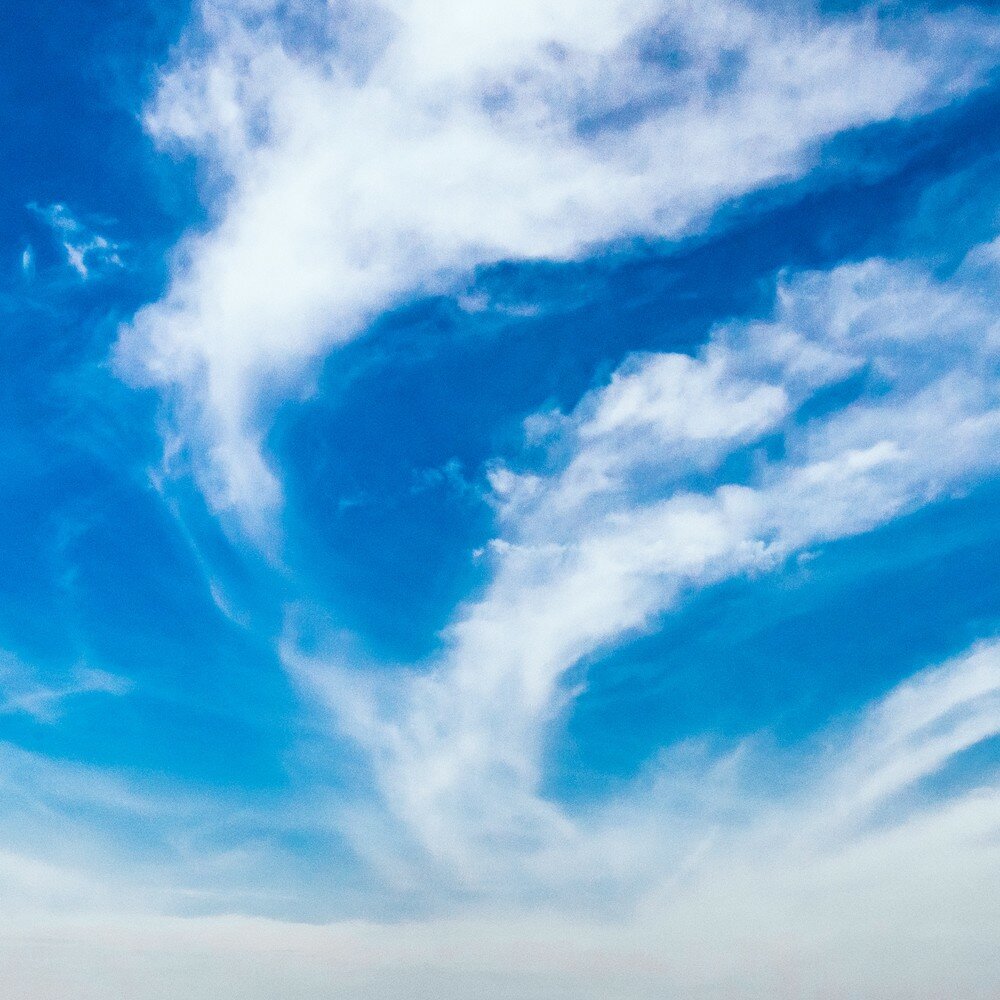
column 358, row 155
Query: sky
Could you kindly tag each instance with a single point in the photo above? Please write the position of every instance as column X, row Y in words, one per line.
column 500, row 500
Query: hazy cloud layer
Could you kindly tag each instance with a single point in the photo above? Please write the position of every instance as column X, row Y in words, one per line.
column 841, row 878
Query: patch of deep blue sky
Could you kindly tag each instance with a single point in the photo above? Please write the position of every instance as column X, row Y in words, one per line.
column 384, row 465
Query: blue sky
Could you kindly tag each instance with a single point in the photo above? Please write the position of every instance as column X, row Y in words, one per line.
column 500, row 473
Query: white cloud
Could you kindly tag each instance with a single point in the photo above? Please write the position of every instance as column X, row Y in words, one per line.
column 385, row 152
column 838, row 879
column 84, row 248
column 750, row 872
column 360, row 154
column 23, row 691
column 622, row 524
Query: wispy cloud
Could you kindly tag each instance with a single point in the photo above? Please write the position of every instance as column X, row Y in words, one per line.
column 753, row 873
column 636, row 509
column 355, row 156
column 410, row 143
column 85, row 249
column 81, row 840
column 23, row 691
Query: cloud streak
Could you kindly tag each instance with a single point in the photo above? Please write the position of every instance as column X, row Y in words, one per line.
column 85, row 249
column 680, row 473
column 405, row 144
column 23, row 691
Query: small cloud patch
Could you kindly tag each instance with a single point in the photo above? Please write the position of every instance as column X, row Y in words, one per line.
column 87, row 252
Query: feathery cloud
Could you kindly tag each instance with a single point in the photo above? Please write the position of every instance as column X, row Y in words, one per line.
column 359, row 155
column 637, row 509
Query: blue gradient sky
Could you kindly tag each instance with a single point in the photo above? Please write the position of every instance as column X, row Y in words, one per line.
column 477, row 474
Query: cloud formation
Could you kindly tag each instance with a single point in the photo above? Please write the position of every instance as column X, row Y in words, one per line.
column 869, row 393
column 84, row 248
column 750, row 887
column 358, row 155
column 23, row 691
